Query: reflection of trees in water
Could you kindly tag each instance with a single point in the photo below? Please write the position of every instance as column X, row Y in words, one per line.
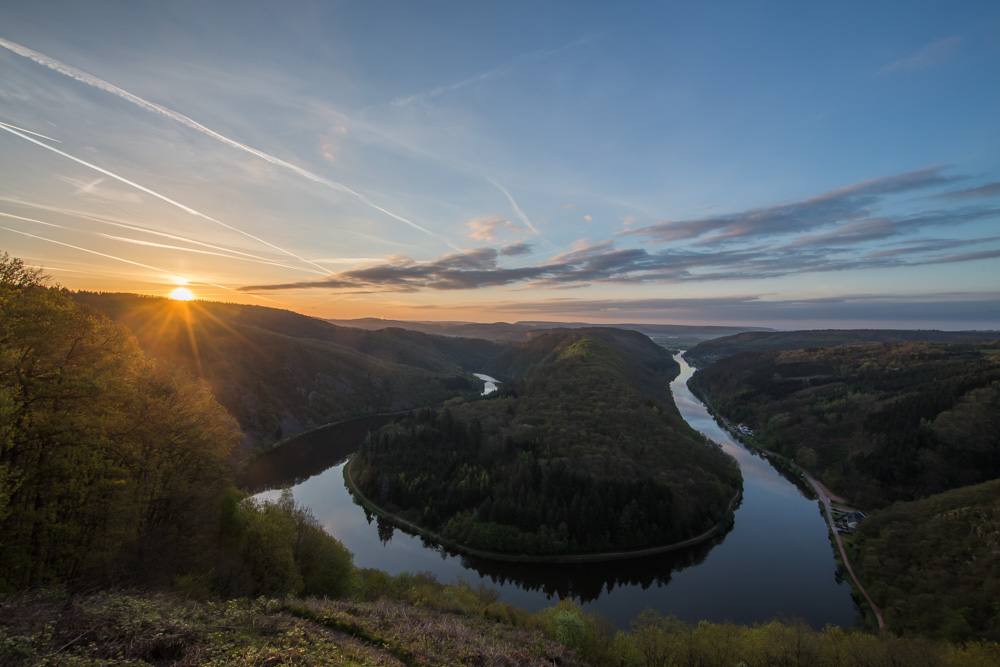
column 586, row 582
column 307, row 455
column 385, row 530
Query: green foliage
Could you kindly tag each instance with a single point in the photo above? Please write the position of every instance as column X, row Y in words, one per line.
column 933, row 563
column 877, row 423
column 585, row 453
column 106, row 458
column 278, row 548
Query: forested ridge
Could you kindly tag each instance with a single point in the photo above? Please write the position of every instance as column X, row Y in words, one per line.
column 279, row 373
column 910, row 433
column 583, row 452
column 710, row 351
column 877, row 423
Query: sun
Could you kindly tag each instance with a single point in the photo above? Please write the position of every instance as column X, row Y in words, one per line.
column 182, row 294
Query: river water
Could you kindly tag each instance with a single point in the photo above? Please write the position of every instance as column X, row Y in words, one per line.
column 775, row 562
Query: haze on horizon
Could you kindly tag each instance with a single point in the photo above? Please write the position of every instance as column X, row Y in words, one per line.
column 787, row 165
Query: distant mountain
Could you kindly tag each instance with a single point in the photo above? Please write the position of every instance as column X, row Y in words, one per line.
column 680, row 336
column 279, row 372
column 710, row 351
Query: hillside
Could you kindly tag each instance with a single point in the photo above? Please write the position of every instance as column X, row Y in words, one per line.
column 710, row 351
column 278, row 372
column 933, row 565
column 877, row 423
column 582, row 451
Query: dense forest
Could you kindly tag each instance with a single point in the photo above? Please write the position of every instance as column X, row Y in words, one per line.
column 710, row 351
column 877, row 423
column 935, row 563
column 279, row 373
column 584, row 452
column 909, row 429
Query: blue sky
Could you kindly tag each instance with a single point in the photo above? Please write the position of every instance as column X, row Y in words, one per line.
column 780, row 164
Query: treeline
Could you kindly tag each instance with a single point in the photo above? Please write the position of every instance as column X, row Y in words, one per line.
column 878, row 423
column 114, row 469
column 709, row 351
column 584, row 453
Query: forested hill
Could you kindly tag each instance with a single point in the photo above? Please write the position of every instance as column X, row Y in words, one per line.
column 279, row 372
column 581, row 451
column 878, row 423
column 710, row 351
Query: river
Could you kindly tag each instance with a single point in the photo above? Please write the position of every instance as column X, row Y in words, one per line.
column 775, row 562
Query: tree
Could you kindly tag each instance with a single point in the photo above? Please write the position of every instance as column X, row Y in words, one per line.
column 108, row 461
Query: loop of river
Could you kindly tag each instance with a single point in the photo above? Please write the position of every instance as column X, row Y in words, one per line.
column 775, row 562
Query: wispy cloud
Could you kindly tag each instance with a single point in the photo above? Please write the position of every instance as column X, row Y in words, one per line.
column 101, row 84
column 981, row 191
column 847, row 203
column 186, row 209
column 602, row 262
column 932, row 54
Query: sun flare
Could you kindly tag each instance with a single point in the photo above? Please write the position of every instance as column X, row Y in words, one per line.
column 182, row 294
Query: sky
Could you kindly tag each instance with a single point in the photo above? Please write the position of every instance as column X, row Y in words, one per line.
column 784, row 164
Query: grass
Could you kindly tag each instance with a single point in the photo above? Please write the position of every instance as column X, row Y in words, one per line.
column 128, row 628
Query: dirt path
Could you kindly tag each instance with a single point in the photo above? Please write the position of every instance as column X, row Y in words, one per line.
column 825, row 497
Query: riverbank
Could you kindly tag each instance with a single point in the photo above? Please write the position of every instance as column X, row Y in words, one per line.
column 825, row 497
column 413, row 528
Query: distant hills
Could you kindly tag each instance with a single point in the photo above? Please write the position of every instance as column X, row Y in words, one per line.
column 677, row 336
column 710, row 351
column 279, row 372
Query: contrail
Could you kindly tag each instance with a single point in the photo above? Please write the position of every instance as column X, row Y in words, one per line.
column 519, row 212
column 101, row 84
column 29, row 131
column 187, row 209
column 144, row 230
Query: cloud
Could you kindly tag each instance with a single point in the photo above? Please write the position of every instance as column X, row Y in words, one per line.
column 846, row 203
column 485, row 229
column 988, row 190
column 515, row 249
column 601, row 262
column 932, row 54
column 588, row 218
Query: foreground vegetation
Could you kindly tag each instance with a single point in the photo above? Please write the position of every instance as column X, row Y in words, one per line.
column 413, row 620
column 584, row 452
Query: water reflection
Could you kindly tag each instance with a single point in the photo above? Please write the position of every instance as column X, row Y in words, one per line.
column 775, row 561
